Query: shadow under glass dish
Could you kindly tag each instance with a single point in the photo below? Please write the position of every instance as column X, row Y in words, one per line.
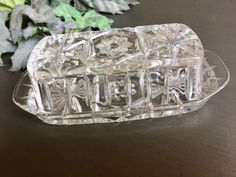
column 119, row 75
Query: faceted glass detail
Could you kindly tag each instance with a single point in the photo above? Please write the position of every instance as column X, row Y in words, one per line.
column 138, row 89
column 158, row 87
column 118, row 87
column 99, row 93
column 78, row 94
column 172, row 43
column 177, row 85
column 119, row 75
column 65, row 95
column 61, row 55
column 116, row 50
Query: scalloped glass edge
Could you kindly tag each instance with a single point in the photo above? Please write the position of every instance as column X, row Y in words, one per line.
column 215, row 72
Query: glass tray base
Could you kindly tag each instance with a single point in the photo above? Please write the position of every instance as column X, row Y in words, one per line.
column 215, row 77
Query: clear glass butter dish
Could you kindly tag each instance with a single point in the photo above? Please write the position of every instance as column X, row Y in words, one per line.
column 119, row 75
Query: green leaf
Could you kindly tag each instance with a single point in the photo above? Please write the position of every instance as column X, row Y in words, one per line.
column 10, row 4
column 40, row 14
column 32, row 30
column 109, row 6
column 55, row 3
column 68, row 12
column 17, row 19
column 53, row 24
column 21, row 55
column 95, row 20
column 89, row 19
column 5, row 44
column 132, row 2
column 80, row 6
column 29, row 31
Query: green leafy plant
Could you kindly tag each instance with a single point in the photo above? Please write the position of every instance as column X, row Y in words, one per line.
column 9, row 4
column 83, row 20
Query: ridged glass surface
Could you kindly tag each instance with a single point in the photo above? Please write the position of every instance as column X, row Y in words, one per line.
column 118, row 75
